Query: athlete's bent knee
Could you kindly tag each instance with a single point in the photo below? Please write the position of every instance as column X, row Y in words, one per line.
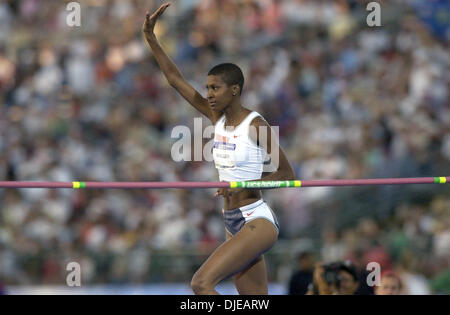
column 200, row 285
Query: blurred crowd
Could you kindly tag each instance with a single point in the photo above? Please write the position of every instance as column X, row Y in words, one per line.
column 89, row 103
column 414, row 242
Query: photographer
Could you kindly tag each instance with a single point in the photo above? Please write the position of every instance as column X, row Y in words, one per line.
column 338, row 278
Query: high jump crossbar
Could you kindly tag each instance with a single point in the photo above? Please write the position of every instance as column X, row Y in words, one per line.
column 246, row 184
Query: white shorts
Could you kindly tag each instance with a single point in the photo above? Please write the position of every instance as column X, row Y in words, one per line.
column 235, row 219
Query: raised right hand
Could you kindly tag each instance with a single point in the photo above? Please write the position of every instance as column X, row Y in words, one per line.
column 150, row 21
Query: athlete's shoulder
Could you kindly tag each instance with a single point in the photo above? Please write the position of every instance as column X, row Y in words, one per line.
column 257, row 124
column 259, row 120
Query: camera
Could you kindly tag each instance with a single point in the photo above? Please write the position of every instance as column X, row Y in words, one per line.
column 331, row 273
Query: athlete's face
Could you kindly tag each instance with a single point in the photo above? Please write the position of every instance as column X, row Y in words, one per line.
column 219, row 94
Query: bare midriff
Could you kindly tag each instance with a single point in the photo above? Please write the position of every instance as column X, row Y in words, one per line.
column 241, row 199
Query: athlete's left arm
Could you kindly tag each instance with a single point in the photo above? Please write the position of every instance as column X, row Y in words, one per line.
column 259, row 131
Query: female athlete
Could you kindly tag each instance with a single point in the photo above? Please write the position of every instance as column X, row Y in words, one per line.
column 250, row 225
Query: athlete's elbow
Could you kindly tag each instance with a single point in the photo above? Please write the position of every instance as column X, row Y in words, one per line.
column 290, row 176
column 174, row 77
column 287, row 174
column 172, row 82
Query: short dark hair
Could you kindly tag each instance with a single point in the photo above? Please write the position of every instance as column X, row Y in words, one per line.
column 230, row 74
column 348, row 267
column 332, row 269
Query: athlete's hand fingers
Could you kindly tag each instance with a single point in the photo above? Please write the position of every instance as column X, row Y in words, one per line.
column 226, row 192
column 164, row 7
column 150, row 21
column 233, row 191
column 160, row 11
column 222, row 191
column 146, row 27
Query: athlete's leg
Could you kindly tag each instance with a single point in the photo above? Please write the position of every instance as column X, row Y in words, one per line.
column 253, row 279
column 235, row 255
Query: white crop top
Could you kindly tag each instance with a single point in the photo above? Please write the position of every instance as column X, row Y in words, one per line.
column 236, row 156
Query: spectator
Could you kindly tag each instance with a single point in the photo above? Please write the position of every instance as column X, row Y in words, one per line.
column 391, row 284
column 337, row 278
column 303, row 275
